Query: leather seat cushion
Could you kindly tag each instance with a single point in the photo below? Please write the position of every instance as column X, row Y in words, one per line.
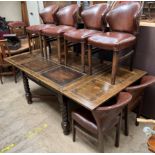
column 115, row 41
column 57, row 30
column 38, row 28
column 16, row 24
column 85, row 119
column 79, row 35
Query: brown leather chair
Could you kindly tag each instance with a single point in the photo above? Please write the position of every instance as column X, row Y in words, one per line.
column 48, row 17
column 137, row 92
column 101, row 120
column 66, row 20
column 123, row 21
column 14, row 25
column 5, row 68
column 94, row 21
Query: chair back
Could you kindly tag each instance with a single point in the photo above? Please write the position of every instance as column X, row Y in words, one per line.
column 4, row 51
column 48, row 14
column 125, row 16
column 138, row 90
column 68, row 15
column 94, row 16
column 108, row 116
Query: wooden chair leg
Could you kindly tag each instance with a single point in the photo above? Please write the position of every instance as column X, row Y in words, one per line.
column 74, row 131
column 1, row 71
column 118, row 132
column 83, row 56
column 90, row 59
column 29, row 41
column 41, row 45
column 45, row 46
column 132, row 59
column 14, row 73
column 65, row 51
column 59, row 48
column 101, row 143
column 126, row 127
column 139, row 111
column 114, row 66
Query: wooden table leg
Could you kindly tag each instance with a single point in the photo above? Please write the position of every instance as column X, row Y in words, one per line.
column 64, row 111
column 28, row 94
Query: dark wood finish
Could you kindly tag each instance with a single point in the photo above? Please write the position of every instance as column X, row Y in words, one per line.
column 88, row 91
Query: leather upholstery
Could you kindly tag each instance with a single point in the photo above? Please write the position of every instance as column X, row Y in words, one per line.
column 38, row 28
column 103, row 118
column 138, row 90
column 115, row 41
column 79, row 35
column 94, row 16
column 48, row 14
column 124, row 17
column 68, row 15
column 57, row 30
column 16, row 24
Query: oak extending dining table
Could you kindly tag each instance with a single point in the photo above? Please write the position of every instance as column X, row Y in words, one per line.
column 90, row 91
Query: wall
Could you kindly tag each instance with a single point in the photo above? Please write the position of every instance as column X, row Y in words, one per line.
column 11, row 10
column 145, row 60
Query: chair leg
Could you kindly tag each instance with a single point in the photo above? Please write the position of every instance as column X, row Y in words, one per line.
column 118, row 132
column 14, row 73
column 1, row 74
column 45, row 46
column 101, row 143
column 65, row 51
column 83, row 56
column 126, row 131
column 139, row 111
column 29, row 41
column 59, row 49
column 41, row 45
column 74, row 131
column 114, row 67
column 90, row 59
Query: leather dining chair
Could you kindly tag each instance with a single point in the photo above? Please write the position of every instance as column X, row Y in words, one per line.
column 5, row 68
column 101, row 120
column 94, row 21
column 137, row 92
column 123, row 21
column 48, row 18
column 67, row 20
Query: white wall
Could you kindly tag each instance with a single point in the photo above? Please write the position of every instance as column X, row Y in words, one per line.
column 11, row 10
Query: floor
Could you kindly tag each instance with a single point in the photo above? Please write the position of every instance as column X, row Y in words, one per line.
column 36, row 128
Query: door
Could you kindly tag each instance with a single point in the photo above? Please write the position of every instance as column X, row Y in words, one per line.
column 33, row 12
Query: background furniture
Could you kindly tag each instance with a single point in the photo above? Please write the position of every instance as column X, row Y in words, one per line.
column 101, row 119
column 5, row 68
column 137, row 91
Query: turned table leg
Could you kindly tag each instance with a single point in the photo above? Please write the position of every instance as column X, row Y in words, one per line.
column 64, row 111
column 28, row 94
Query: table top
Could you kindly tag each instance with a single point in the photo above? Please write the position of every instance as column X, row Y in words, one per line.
column 89, row 91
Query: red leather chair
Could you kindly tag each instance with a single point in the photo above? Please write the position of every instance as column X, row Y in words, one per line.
column 67, row 20
column 48, row 17
column 101, row 120
column 123, row 21
column 137, row 91
column 94, row 21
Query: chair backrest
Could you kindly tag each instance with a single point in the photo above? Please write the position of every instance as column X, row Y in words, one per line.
column 4, row 51
column 106, row 117
column 125, row 16
column 48, row 14
column 94, row 16
column 138, row 90
column 68, row 15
